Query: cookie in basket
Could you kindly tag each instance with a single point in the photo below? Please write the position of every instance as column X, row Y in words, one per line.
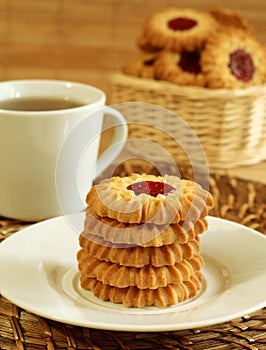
column 177, row 29
column 149, row 198
column 142, row 66
column 232, row 18
column 182, row 68
column 233, row 59
column 136, row 297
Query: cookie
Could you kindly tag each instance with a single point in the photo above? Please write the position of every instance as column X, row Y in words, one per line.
column 140, row 256
column 182, row 68
column 103, row 230
column 142, row 66
column 149, row 198
column 231, row 18
column 144, row 45
column 177, row 29
column 144, row 277
column 233, row 59
column 135, row 297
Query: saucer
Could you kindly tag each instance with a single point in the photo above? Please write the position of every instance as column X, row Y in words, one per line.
column 38, row 272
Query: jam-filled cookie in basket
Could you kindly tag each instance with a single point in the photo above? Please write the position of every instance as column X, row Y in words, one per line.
column 233, row 59
column 176, row 29
column 142, row 66
column 182, row 68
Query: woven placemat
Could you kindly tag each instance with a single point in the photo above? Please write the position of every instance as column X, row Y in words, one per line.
column 235, row 199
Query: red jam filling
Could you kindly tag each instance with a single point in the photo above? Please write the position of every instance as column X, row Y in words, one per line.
column 153, row 188
column 241, row 65
column 181, row 23
column 190, row 62
column 149, row 62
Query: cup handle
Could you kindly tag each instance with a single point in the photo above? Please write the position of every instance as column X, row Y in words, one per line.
column 117, row 143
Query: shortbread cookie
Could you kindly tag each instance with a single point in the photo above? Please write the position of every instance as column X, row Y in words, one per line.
column 177, row 29
column 144, row 277
column 144, row 45
column 233, row 59
column 232, row 18
column 142, row 67
column 149, row 198
column 139, row 256
column 103, row 230
column 180, row 68
column 135, row 297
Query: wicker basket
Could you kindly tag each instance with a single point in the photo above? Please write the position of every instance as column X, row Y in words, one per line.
column 230, row 124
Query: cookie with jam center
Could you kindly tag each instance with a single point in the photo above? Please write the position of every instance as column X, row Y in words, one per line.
column 176, row 29
column 182, row 68
column 148, row 198
column 233, row 59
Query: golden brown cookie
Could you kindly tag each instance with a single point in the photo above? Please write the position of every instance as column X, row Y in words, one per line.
column 142, row 67
column 110, row 232
column 135, row 297
column 139, row 256
column 231, row 18
column 177, row 29
column 181, row 68
column 233, row 59
column 144, row 45
column 144, row 277
column 149, row 198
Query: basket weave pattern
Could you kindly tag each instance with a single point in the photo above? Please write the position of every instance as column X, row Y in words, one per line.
column 230, row 124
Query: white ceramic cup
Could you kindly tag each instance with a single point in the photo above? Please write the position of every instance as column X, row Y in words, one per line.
column 31, row 143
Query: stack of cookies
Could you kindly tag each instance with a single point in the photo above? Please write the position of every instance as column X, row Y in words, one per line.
column 140, row 244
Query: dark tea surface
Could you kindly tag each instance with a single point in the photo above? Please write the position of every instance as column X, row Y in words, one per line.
column 38, row 104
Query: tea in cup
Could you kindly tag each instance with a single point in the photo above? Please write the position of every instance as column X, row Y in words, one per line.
column 37, row 118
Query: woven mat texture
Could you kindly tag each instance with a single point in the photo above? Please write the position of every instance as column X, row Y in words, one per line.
column 236, row 200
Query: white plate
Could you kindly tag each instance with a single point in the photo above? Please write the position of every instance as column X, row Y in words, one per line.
column 38, row 272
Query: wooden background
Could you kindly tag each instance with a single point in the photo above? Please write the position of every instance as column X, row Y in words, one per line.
column 83, row 40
